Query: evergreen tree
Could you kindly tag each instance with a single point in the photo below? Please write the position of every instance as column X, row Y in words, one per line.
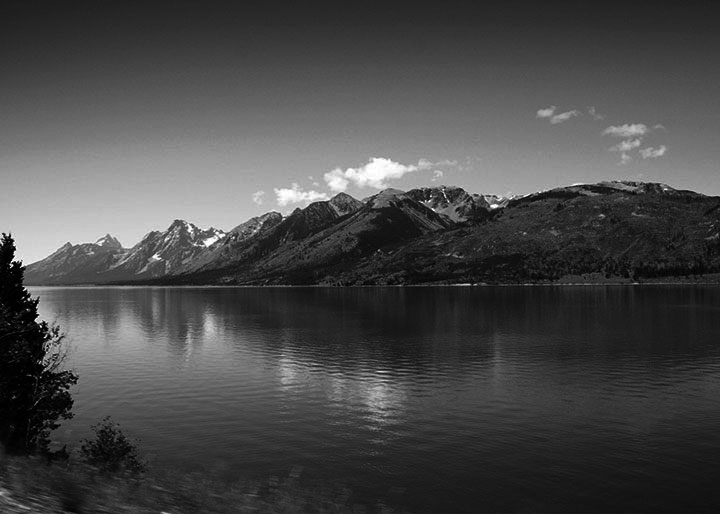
column 34, row 387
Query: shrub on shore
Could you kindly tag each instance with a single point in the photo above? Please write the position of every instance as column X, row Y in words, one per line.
column 111, row 451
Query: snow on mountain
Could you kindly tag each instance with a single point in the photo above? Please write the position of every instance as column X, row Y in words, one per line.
column 454, row 202
column 162, row 253
column 225, row 248
column 495, row 202
column 212, row 240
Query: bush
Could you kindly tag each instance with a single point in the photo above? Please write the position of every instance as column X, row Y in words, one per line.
column 111, row 451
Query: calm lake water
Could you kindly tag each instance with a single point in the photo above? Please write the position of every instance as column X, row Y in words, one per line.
column 454, row 399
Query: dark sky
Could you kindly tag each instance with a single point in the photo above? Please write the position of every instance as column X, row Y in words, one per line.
column 121, row 116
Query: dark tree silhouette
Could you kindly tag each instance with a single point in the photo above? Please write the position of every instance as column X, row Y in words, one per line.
column 34, row 387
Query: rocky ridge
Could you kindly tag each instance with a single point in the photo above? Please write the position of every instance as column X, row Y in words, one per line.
column 610, row 230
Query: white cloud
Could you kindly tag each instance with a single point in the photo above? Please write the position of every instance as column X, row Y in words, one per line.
column 632, row 135
column 257, row 197
column 594, row 114
column 295, row 194
column 336, row 181
column 653, row 153
column 549, row 113
column 564, row 116
column 626, row 145
column 375, row 173
column 437, row 175
column 627, row 131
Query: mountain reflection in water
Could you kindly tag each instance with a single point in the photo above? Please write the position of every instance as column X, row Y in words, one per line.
column 436, row 399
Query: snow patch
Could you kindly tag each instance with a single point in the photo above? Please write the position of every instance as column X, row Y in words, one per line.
column 494, row 201
column 212, row 240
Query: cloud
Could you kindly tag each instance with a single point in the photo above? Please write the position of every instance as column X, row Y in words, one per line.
column 336, row 180
column 653, row 153
column 445, row 162
column 594, row 114
column 633, row 135
column 626, row 145
column 375, row 173
column 626, row 131
column 257, row 197
column 564, row 116
column 295, row 194
column 549, row 113
column 437, row 175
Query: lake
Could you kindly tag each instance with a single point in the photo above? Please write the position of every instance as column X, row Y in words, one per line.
column 432, row 399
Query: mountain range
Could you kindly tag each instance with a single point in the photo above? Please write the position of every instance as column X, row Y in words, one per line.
column 609, row 231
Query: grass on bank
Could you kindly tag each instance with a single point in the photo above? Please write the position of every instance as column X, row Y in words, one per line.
column 30, row 484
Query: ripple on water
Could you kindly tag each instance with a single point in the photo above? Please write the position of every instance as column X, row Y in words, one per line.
column 437, row 399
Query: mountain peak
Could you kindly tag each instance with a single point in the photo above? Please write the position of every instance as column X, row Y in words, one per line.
column 181, row 226
column 179, row 223
column 343, row 203
column 272, row 215
column 108, row 241
column 341, row 196
column 385, row 198
column 391, row 191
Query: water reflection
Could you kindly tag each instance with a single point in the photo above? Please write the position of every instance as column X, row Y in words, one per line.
column 429, row 390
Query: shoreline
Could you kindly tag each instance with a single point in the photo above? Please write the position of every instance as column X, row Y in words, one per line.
column 627, row 283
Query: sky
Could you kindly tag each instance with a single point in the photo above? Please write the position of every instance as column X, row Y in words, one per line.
column 119, row 117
